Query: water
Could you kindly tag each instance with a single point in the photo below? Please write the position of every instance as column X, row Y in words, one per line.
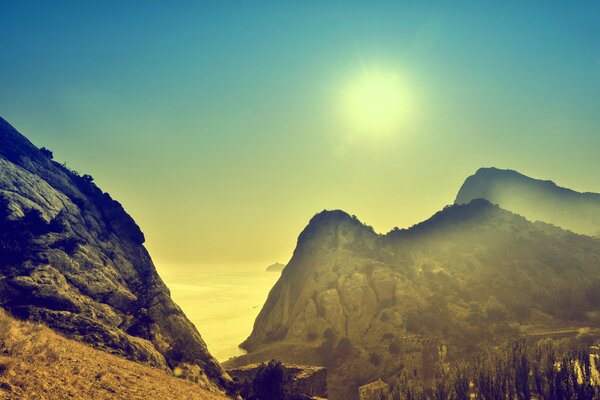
column 222, row 300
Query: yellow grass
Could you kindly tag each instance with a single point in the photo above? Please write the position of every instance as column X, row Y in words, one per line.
column 37, row 363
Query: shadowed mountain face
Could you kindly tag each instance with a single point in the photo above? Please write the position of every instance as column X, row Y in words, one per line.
column 368, row 305
column 70, row 256
column 536, row 200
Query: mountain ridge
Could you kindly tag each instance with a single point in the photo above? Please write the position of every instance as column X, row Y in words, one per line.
column 535, row 199
column 349, row 298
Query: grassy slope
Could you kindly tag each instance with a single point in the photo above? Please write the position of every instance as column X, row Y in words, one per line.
column 37, row 363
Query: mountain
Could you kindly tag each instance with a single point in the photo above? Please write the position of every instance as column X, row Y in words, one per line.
column 368, row 306
column 72, row 258
column 534, row 199
column 277, row 267
column 37, row 363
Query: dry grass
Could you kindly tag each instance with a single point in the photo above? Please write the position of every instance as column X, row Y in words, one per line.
column 37, row 363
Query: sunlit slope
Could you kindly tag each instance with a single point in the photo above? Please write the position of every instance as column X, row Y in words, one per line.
column 36, row 363
column 353, row 300
column 534, row 199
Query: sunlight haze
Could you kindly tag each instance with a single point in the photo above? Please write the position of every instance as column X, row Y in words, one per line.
column 223, row 139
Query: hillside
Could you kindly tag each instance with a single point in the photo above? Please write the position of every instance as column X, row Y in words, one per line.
column 368, row 305
column 534, row 199
column 38, row 364
column 72, row 258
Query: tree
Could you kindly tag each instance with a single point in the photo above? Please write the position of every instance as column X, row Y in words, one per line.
column 87, row 178
column 47, row 153
column 269, row 381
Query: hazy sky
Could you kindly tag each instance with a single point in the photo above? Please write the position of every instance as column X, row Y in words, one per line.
column 218, row 125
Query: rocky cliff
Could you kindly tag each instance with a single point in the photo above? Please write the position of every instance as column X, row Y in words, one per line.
column 70, row 256
column 368, row 306
column 534, row 199
column 300, row 381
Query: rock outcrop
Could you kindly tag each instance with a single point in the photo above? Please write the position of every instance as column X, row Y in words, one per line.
column 301, row 381
column 534, row 199
column 277, row 267
column 71, row 257
column 368, row 306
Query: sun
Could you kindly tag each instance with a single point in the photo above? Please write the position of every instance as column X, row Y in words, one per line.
column 376, row 102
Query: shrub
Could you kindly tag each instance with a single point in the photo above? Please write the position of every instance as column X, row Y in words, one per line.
column 343, row 348
column 394, row 348
column 375, row 359
column 5, row 367
column 87, row 178
column 269, row 381
column 47, row 153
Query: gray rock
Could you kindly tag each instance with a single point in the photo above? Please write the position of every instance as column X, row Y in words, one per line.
column 71, row 257
column 302, row 381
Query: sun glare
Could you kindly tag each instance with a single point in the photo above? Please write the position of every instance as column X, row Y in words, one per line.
column 376, row 102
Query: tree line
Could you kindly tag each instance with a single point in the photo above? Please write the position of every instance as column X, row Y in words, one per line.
column 514, row 371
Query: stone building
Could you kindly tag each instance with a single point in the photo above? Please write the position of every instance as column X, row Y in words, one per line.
column 374, row 390
column 422, row 357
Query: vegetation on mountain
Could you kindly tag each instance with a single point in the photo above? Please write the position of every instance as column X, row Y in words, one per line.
column 511, row 371
column 368, row 305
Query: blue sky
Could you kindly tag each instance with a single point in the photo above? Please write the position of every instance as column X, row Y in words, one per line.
column 216, row 125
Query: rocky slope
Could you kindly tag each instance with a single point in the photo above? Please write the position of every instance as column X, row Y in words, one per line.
column 369, row 306
column 70, row 256
column 37, row 363
column 534, row 199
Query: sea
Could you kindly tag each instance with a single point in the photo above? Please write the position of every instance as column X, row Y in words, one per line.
column 221, row 300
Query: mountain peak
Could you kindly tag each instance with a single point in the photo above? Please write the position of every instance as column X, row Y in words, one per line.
column 327, row 220
column 331, row 216
column 535, row 199
column 475, row 212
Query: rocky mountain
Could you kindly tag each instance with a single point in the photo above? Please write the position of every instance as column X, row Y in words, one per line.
column 277, row 267
column 535, row 199
column 71, row 257
column 369, row 306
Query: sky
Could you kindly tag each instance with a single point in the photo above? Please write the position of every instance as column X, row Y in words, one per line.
column 222, row 127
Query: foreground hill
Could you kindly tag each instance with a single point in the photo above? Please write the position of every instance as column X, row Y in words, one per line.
column 534, row 199
column 368, row 305
column 71, row 257
column 38, row 364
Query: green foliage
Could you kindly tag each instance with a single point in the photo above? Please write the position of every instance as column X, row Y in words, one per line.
column 494, row 310
column 394, row 348
column 375, row 359
column 87, row 178
column 511, row 372
column 47, row 153
column 269, row 382
column 343, row 349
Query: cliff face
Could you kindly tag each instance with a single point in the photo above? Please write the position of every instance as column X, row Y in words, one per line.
column 534, row 199
column 368, row 306
column 70, row 256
